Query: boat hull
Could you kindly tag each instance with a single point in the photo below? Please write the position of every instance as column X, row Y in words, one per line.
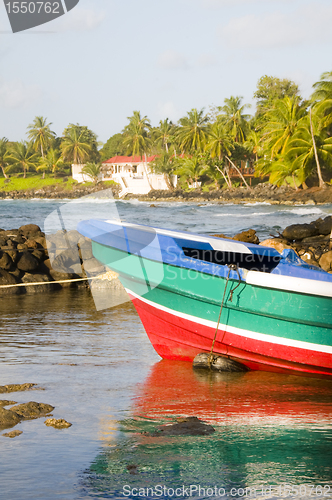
column 264, row 328
column 177, row 338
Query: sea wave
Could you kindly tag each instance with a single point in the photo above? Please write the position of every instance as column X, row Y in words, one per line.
column 306, row 210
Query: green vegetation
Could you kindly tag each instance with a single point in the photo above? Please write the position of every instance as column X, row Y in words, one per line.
column 35, row 182
column 287, row 140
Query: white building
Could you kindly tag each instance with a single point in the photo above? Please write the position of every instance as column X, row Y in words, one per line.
column 133, row 173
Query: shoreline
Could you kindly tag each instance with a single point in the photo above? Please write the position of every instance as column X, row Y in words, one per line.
column 261, row 193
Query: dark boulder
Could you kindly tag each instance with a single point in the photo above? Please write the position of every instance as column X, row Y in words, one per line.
column 29, row 228
column 68, row 261
column 300, row 231
column 93, row 267
column 5, row 261
column 38, row 278
column 7, row 279
column 57, row 276
column 27, row 262
column 324, row 226
column 249, row 236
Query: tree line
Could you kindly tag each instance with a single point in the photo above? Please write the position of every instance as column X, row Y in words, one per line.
column 287, row 140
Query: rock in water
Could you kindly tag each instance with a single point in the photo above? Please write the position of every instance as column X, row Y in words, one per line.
column 8, row 279
column 218, row 363
column 57, row 423
column 31, row 410
column 16, row 387
column 12, row 434
column 188, row 426
column 8, row 418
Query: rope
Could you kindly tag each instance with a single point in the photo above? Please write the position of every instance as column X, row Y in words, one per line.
column 232, row 267
column 47, row 282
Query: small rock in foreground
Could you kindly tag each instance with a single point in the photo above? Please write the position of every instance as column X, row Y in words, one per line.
column 8, row 418
column 5, row 402
column 188, row 426
column 12, row 434
column 57, row 423
column 15, row 387
column 32, row 410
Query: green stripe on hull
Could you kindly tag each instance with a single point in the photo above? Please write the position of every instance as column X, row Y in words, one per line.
column 288, row 315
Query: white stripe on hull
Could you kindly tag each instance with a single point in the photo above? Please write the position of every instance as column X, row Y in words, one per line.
column 272, row 339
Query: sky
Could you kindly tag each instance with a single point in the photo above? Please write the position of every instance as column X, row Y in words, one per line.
column 106, row 58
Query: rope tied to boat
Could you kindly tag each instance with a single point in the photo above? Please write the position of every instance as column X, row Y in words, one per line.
column 231, row 267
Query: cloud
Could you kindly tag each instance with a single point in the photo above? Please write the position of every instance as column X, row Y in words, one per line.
column 171, row 59
column 16, row 94
column 310, row 24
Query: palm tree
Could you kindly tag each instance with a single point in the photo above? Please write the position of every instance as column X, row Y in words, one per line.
column 22, row 157
column 310, row 146
column 137, row 138
column 40, row 134
column 3, row 152
column 254, row 144
column 76, row 145
column 164, row 163
column 92, row 170
column 191, row 168
column 193, row 132
column 53, row 162
column 235, row 119
column 164, row 134
column 322, row 98
column 281, row 124
column 219, row 142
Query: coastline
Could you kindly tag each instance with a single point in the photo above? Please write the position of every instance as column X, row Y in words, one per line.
column 260, row 193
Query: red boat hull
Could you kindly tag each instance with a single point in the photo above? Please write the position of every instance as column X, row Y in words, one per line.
column 176, row 338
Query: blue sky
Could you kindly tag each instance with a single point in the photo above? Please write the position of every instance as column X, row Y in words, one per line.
column 106, row 58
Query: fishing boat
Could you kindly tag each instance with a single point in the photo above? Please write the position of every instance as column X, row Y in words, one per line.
column 266, row 310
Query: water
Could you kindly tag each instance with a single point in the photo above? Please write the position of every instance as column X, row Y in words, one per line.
column 100, row 372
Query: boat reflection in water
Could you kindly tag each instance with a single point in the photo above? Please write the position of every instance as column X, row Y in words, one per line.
column 271, row 430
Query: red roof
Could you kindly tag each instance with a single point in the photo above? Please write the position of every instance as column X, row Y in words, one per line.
column 130, row 159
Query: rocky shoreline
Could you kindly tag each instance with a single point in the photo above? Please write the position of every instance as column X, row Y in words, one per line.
column 263, row 192
column 27, row 267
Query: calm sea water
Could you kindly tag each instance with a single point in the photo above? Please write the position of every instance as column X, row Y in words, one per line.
column 273, row 434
